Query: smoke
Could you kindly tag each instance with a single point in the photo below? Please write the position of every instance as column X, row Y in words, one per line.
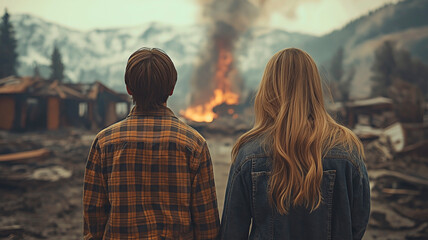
column 287, row 8
column 227, row 20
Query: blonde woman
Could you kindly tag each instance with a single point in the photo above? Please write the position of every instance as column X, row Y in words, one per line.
column 297, row 174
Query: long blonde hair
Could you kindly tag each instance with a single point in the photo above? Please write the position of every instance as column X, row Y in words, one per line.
column 295, row 128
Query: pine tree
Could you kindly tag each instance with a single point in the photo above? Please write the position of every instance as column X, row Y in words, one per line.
column 392, row 64
column 57, row 67
column 36, row 71
column 336, row 67
column 383, row 69
column 345, row 85
column 8, row 55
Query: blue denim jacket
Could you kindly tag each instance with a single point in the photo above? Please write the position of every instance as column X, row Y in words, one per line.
column 343, row 214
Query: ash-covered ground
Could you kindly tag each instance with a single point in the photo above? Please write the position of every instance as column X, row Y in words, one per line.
column 42, row 198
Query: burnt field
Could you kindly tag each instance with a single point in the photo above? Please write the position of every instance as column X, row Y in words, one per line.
column 41, row 193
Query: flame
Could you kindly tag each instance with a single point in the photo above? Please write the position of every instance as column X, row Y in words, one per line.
column 204, row 113
column 222, row 93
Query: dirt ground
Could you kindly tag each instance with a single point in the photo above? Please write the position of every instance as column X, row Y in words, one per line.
column 43, row 199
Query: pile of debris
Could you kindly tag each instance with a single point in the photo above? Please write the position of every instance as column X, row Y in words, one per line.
column 399, row 189
column 41, row 178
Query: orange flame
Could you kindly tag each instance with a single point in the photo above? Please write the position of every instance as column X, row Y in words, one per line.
column 222, row 93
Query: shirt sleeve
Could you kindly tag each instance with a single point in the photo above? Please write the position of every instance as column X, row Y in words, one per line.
column 361, row 201
column 204, row 208
column 96, row 206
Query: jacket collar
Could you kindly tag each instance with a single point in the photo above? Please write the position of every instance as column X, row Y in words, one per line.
column 162, row 111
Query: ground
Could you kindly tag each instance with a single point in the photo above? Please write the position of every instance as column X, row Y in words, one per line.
column 41, row 200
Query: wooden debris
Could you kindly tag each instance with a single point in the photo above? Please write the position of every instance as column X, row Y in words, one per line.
column 414, row 213
column 387, row 218
column 6, row 231
column 400, row 191
column 375, row 174
column 24, row 156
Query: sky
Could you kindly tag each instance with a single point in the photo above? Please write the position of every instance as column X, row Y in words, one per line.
column 316, row 17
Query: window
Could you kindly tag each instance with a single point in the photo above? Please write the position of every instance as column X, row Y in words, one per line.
column 83, row 109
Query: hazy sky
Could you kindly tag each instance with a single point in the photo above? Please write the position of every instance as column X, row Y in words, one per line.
column 311, row 16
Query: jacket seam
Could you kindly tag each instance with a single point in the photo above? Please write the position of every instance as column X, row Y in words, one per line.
column 246, row 159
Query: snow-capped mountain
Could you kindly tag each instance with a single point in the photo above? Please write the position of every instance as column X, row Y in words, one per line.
column 98, row 54
column 102, row 54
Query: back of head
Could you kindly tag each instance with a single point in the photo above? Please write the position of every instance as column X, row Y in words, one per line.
column 150, row 77
column 291, row 83
column 292, row 122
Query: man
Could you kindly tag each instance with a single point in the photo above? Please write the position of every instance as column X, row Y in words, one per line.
column 150, row 176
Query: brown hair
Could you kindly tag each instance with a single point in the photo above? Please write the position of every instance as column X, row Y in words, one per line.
column 150, row 76
column 295, row 128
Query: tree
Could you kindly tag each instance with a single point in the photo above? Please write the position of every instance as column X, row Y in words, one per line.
column 57, row 67
column 336, row 65
column 408, row 101
column 341, row 84
column 391, row 64
column 8, row 55
column 383, row 69
column 345, row 85
column 36, row 71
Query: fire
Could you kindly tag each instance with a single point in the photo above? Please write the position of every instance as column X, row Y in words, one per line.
column 204, row 113
column 222, row 93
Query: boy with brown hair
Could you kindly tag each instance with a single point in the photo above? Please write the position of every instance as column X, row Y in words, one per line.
column 150, row 175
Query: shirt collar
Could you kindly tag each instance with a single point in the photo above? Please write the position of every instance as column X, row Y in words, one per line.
column 162, row 111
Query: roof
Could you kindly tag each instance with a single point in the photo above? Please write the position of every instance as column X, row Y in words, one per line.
column 15, row 85
column 42, row 87
column 55, row 88
column 370, row 102
column 98, row 87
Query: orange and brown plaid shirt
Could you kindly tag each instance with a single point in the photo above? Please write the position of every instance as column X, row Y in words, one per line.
column 150, row 176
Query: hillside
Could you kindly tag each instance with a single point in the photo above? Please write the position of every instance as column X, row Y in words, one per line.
column 405, row 23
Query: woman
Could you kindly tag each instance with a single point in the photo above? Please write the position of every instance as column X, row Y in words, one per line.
column 296, row 174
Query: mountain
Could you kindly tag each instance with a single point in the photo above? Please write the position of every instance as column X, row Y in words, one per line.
column 405, row 23
column 102, row 54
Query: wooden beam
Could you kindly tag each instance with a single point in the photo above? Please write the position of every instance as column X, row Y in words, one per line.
column 25, row 156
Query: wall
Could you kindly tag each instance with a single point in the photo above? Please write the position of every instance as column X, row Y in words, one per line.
column 7, row 112
column 53, row 113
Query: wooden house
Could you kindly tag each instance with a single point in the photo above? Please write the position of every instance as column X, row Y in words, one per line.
column 32, row 103
column 375, row 112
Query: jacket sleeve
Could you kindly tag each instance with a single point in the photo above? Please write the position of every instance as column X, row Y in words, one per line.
column 95, row 199
column 361, row 201
column 237, row 214
column 204, row 208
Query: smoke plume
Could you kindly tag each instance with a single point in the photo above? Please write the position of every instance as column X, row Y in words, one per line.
column 216, row 69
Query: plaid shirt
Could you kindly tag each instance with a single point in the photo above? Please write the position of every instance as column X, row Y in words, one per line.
column 149, row 176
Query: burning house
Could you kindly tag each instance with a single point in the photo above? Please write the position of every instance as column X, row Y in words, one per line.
column 32, row 103
column 216, row 81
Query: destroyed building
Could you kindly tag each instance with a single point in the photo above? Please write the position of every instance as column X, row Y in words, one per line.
column 376, row 112
column 28, row 103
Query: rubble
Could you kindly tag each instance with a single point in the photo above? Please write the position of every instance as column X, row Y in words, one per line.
column 51, row 174
column 11, row 231
column 41, row 198
column 399, row 185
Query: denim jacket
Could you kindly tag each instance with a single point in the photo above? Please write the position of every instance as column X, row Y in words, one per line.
column 343, row 213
